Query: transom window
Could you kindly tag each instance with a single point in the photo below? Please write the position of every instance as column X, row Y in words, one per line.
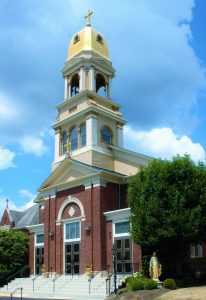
column 72, row 231
column 106, row 135
column 74, row 138
column 121, row 227
column 40, row 238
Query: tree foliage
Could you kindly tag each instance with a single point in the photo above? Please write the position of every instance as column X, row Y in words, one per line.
column 13, row 250
column 168, row 202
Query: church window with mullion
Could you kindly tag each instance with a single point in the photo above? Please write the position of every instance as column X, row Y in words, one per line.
column 74, row 138
column 83, row 135
column 64, row 142
column 106, row 135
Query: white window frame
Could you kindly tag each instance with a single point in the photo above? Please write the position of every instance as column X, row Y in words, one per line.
column 196, row 250
column 120, row 234
column 75, row 239
column 38, row 244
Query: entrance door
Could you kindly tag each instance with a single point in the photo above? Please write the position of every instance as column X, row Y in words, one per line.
column 124, row 255
column 39, row 259
column 72, row 258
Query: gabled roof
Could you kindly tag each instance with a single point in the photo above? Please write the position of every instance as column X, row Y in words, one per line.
column 15, row 215
column 30, row 217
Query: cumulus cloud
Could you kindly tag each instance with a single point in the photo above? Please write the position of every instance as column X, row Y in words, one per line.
column 33, row 145
column 6, row 159
column 24, row 194
column 162, row 143
column 158, row 71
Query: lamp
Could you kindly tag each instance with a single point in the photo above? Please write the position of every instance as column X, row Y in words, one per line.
column 88, row 230
column 114, row 254
column 51, row 235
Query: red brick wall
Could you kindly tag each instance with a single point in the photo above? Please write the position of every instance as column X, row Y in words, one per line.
column 109, row 239
column 5, row 220
column 31, row 253
column 95, row 246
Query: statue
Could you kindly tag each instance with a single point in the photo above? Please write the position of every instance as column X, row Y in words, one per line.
column 155, row 267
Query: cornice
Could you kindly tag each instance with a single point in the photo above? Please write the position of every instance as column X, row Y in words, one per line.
column 89, row 94
column 89, row 109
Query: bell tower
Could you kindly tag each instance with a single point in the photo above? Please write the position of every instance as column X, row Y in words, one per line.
column 88, row 120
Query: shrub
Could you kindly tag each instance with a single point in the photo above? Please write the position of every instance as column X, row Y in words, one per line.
column 150, row 284
column 169, row 284
column 129, row 279
column 136, row 284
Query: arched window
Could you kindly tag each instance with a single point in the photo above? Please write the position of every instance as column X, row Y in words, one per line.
column 106, row 135
column 64, row 141
column 74, row 138
column 100, row 85
column 83, row 135
column 74, row 85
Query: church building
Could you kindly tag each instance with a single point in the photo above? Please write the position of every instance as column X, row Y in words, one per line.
column 81, row 210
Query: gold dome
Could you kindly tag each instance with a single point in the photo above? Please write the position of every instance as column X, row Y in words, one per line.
column 88, row 39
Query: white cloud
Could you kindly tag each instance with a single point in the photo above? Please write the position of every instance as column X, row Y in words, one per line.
column 162, row 143
column 33, row 145
column 6, row 158
column 27, row 196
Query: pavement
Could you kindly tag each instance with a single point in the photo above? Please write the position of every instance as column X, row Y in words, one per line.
column 192, row 293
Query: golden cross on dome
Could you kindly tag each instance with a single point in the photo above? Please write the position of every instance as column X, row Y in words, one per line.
column 88, row 15
column 67, row 145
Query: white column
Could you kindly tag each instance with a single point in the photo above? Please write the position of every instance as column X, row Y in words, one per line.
column 82, row 79
column 69, row 90
column 57, row 145
column 66, row 87
column 120, row 136
column 92, row 79
column 109, row 88
column 91, row 130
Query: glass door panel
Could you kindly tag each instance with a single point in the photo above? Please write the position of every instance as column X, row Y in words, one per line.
column 72, row 258
column 124, row 257
column 39, row 259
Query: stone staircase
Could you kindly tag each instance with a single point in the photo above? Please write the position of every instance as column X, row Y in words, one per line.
column 64, row 287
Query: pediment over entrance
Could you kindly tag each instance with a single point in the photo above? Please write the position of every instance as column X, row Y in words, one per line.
column 68, row 171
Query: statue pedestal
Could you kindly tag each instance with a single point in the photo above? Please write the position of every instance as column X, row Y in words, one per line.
column 159, row 284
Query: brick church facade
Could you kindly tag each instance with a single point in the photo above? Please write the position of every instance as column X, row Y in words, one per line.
column 81, row 209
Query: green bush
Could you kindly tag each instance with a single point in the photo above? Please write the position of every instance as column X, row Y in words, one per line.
column 129, row 279
column 136, row 284
column 169, row 284
column 150, row 284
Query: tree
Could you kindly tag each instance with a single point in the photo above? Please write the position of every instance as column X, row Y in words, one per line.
column 168, row 205
column 13, row 251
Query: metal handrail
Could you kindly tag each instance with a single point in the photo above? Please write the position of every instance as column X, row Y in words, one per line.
column 54, row 280
column 33, row 279
column 13, row 275
column 108, row 279
column 89, row 280
column 15, row 291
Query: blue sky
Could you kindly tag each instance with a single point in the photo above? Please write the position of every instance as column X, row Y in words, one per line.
column 158, row 49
